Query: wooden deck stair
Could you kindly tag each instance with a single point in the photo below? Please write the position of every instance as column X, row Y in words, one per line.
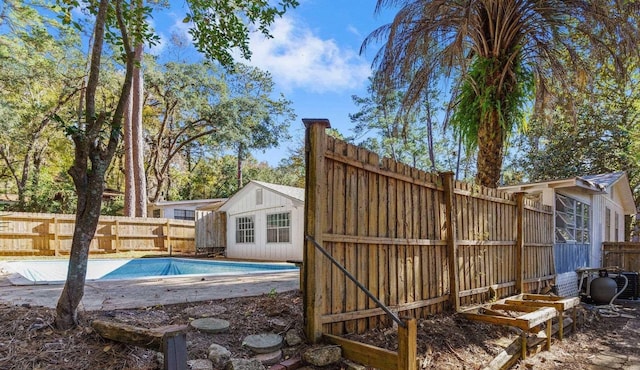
column 528, row 312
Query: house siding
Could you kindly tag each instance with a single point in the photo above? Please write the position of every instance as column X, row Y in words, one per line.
column 272, row 202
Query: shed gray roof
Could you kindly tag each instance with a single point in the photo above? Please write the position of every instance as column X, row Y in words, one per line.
column 289, row 191
column 604, row 179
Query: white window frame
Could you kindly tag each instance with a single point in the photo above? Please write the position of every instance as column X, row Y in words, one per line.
column 245, row 230
column 278, row 226
column 572, row 220
column 184, row 214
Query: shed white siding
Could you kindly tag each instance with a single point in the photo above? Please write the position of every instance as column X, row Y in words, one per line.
column 257, row 202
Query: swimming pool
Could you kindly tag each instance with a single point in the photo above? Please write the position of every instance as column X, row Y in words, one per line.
column 55, row 271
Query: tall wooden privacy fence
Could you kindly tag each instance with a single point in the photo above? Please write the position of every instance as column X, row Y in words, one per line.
column 50, row 234
column 420, row 242
column 625, row 255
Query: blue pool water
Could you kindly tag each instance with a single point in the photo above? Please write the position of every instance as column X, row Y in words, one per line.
column 51, row 272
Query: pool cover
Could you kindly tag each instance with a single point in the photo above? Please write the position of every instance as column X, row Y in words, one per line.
column 55, row 272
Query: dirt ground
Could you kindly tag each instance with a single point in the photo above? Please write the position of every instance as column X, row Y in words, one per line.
column 445, row 341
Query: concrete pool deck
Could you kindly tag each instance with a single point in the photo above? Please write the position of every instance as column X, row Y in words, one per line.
column 122, row 294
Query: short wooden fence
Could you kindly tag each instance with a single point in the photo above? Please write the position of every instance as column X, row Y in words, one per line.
column 625, row 255
column 421, row 243
column 42, row 234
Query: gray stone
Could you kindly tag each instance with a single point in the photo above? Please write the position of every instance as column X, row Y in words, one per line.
column 292, row 338
column 263, row 343
column 322, row 355
column 288, row 352
column 244, row 364
column 278, row 324
column 211, row 325
column 160, row 359
column 270, row 358
column 205, row 311
column 200, row 364
column 219, row 356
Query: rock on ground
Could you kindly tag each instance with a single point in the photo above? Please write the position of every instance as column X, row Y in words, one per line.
column 244, row 364
column 199, row 365
column 219, row 356
column 292, row 338
column 323, row 355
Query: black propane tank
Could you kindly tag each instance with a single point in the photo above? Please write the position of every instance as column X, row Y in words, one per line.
column 603, row 288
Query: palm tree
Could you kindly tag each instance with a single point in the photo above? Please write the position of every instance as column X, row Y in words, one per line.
column 500, row 54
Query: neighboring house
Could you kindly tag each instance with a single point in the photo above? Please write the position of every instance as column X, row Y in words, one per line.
column 589, row 210
column 265, row 222
column 179, row 209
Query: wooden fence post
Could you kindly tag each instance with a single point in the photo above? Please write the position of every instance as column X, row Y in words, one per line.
column 407, row 345
column 519, row 255
column 452, row 245
column 117, row 235
column 315, row 197
column 167, row 238
column 56, row 237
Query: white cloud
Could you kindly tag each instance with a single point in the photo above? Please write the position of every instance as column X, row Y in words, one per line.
column 159, row 47
column 354, row 31
column 296, row 58
column 181, row 29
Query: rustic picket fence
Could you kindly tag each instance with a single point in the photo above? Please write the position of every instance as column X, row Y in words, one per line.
column 44, row 234
column 421, row 243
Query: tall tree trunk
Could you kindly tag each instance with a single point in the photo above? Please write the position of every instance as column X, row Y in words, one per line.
column 240, row 154
column 129, row 179
column 432, row 155
column 91, row 160
column 140, row 179
column 491, row 137
column 458, row 158
column 87, row 216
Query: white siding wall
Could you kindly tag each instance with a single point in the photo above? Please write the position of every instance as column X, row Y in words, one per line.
column 168, row 211
column 261, row 250
column 598, row 232
column 617, row 200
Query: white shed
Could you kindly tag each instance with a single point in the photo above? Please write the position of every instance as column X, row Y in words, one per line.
column 265, row 222
column 589, row 210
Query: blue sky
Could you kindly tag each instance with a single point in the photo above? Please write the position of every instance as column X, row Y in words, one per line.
column 313, row 58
